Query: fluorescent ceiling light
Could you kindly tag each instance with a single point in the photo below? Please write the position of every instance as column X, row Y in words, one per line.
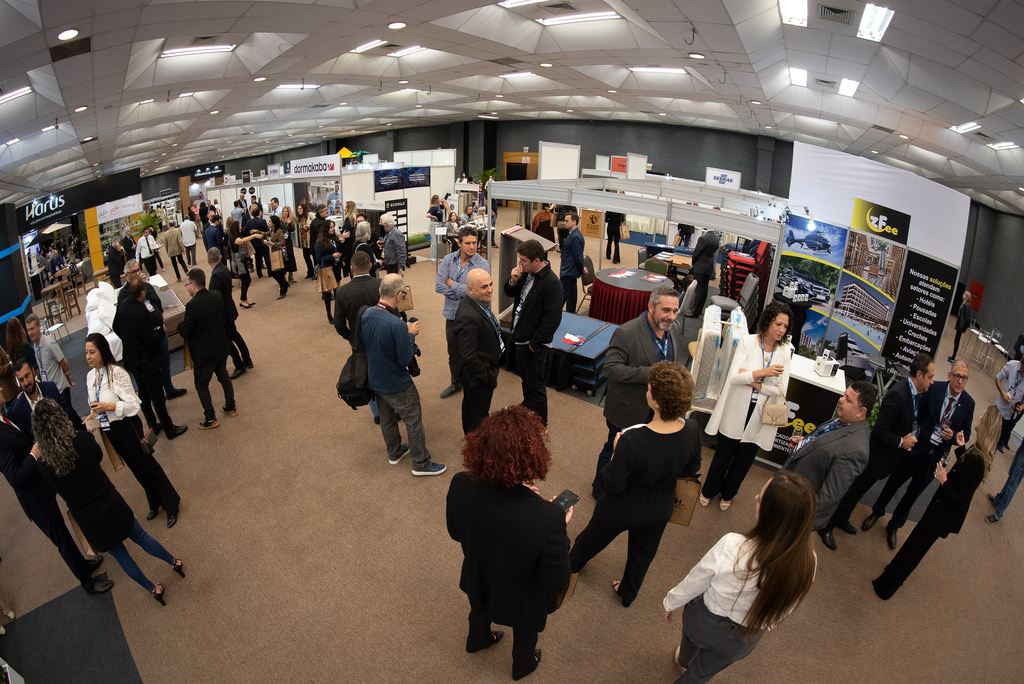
column 407, row 51
column 259, row 79
column 197, row 50
column 68, row 34
column 79, row 110
column 1021, row 189
column 217, row 111
column 342, row 104
column 146, row 101
column 848, row 87
column 874, row 151
column 369, row 46
column 755, row 102
column 769, row 126
column 517, row 74
column 905, row 137
column 419, row 105
column 499, row 96
column 186, row 94
column 874, row 22
column 409, row 90
column 15, row 93
column 12, row 141
column 965, row 127
column 485, row 116
column 662, row 114
column 49, row 128
column 1004, row 145
column 613, row 91
column 89, row 139
column 577, row 18
column 794, row 12
column 402, row 82
column 396, row 25
column 546, row 64
column 297, row 86
column 798, row 76
column 658, row 70
column 695, row 55
column 509, row 4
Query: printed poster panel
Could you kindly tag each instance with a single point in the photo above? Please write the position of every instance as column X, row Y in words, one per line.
column 590, row 223
column 811, row 258
column 812, row 334
column 925, row 297
column 880, row 221
column 416, row 177
column 809, row 407
column 863, row 310
column 875, row 261
column 823, row 241
column 388, row 179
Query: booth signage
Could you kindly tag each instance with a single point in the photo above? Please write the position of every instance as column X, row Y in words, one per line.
column 880, row 221
column 206, row 172
column 246, row 176
column 618, row 164
column 167, row 192
column 45, row 210
column 274, row 170
column 119, row 209
column 326, row 165
column 590, row 223
column 926, row 294
column 388, row 179
column 417, row 177
column 809, row 407
column 721, row 178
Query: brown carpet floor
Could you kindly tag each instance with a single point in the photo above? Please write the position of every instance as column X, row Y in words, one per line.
column 310, row 559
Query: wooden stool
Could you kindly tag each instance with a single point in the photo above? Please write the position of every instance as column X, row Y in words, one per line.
column 70, row 293
column 53, row 301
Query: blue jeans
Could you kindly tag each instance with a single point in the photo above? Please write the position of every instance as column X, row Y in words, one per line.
column 149, row 545
column 1005, row 496
column 373, row 408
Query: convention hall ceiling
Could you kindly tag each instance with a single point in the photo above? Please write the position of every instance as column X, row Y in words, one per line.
column 116, row 95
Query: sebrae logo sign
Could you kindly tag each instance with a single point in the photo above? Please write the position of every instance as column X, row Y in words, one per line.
column 880, row 221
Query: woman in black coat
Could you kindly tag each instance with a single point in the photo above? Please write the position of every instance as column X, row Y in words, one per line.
column 69, row 461
column 514, row 542
column 364, row 243
column 640, row 481
column 328, row 255
column 946, row 513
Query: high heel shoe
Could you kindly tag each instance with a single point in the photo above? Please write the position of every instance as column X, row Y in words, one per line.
column 159, row 595
column 703, row 501
column 10, row 615
column 724, row 505
column 179, row 568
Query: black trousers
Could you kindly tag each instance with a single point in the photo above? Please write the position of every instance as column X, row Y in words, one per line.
column 569, row 293
column 956, row 343
column 1004, row 433
column 563, row 233
column 524, row 641
column 246, row 281
column 532, row 367
column 151, row 394
column 729, row 467
column 476, row 404
column 454, row 357
column 179, row 259
column 857, row 489
column 700, row 296
column 282, row 281
column 115, row 279
column 608, row 523
column 905, row 561
column 307, row 254
column 613, row 237
column 262, row 258
column 125, row 435
column 49, row 520
column 150, row 264
column 202, row 376
column 919, row 472
column 239, row 351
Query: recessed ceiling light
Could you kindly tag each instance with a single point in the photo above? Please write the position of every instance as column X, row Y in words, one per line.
column 290, row 134
column 163, row 154
column 396, row 25
column 174, row 144
column 68, row 34
column 407, row 51
column 1004, row 145
column 874, row 152
column 798, row 77
column 254, row 132
column 874, row 22
column 613, row 91
column 18, row 93
column 695, row 55
column 197, row 50
column 89, row 138
column 769, row 127
column 389, row 124
column 96, row 164
column 186, row 94
column 402, row 82
column 319, row 126
column 546, row 64
column 904, row 137
column 259, row 78
column 485, row 116
column 49, row 128
column 342, row 104
column 499, row 96
column 658, row 70
column 569, row 110
column 662, row 114
column 794, row 12
column 497, row 112
column 577, row 18
column 146, row 101
column 848, row 87
column 297, row 86
column 755, row 102
column 965, row 127
column 509, row 4
column 419, row 106
column 12, row 141
column 369, row 46
column 518, row 74
column 1021, row 189
column 409, row 90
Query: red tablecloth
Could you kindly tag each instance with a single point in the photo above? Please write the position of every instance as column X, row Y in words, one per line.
column 617, row 300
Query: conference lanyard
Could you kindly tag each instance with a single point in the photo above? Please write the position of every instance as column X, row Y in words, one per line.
column 522, row 298
column 494, row 322
column 764, row 364
column 39, row 358
column 102, row 417
column 662, row 345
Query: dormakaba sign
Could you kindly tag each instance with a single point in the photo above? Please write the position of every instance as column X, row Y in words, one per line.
column 118, row 209
column 720, row 178
column 327, row 165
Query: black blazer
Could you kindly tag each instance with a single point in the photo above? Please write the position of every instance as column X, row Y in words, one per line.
column 115, row 260
column 220, row 281
column 704, row 254
column 895, row 419
column 35, row 496
column 947, row 511
column 100, row 511
column 21, row 413
column 349, row 298
column 151, row 296
column 141, row 331
column 542, row 310
column 478, row 344
column 931, row 415
column 516, row 551
column 205, row 328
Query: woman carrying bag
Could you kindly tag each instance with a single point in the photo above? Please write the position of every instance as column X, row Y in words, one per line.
column 291, row 227
column 241, row 262
column 116, row 407
column 279, row 244
column 328, row 256
column 302, row 217
column 758, row 376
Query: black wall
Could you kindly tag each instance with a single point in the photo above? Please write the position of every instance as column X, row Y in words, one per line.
column 992, row 257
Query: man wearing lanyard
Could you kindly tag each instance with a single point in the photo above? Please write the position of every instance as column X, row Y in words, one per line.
column 894, row 435
column 946, row 410
column 394, row 250
column 537, row 296
column 1010, row 385
column 32, row 392
column 480, row 349
column 53, row 367
column 636, row 346
column 450, row 281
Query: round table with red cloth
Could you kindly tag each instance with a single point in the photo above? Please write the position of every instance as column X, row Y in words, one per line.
column 617, row 300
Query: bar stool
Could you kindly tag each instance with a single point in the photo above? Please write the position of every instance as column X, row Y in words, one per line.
column 70, row 294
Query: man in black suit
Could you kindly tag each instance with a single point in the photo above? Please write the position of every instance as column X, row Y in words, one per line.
column 480, row 347
column 128, row 243
column 40, row 502
column 32, row 392
column 703, row 269
column 537, row 305
column 220, row 281
column 362, row 290
column 894, row 435
column 204, row 327
column 635, row 347
column 946, row 410
column 140, row 325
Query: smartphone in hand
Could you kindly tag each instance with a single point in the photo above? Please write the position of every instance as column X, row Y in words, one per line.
column 566, row 500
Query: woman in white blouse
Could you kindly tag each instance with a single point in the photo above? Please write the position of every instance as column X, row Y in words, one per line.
column 115, row 406
column 746, row 583
column 759, row 374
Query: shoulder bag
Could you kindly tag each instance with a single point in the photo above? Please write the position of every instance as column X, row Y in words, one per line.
column 775, row 414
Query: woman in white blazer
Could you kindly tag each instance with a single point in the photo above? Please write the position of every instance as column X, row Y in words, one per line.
column 759, row 373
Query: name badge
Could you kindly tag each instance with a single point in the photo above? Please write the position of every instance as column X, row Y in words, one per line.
column 149, row 307
column 936, row 435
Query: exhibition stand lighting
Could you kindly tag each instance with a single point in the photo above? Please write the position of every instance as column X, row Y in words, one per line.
column 297, row 86
column 794, row 12
column 146, row 101
column 369, row 46
column 197, row 50
column 965, row 127
column 874, row 22
column 518, row 74
column 578, row 18
column 15, row 94
column 485, row 116
column 407, row 51
column 509, row 4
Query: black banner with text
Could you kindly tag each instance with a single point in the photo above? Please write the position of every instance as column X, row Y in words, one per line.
column 921, row 308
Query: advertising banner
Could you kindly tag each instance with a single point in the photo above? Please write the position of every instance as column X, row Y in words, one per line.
column 921, row 308
column 45, row 210
column 721, row 178
column 273, row 171
column 619, row 164
column 416, row 177
column 590, row 223
column 809, row 407
column 325, row 165
column 880, row 221
column 120, row 208
column 388, row 179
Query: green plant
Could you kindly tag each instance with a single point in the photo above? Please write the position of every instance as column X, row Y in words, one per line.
column 484, row 175
column 874, row 415
column 149, row 219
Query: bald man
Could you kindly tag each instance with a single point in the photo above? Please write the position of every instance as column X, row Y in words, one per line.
column 480, row 346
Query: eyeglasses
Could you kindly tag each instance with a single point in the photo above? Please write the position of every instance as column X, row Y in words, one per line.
column 961, row 378
column 134, row 271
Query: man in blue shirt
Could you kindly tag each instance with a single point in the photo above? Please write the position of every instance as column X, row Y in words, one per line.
column 390, row 344
column 573, row 265
column 334, row 200
column 450, row 281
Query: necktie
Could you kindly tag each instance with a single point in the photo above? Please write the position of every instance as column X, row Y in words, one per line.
column 949, row 407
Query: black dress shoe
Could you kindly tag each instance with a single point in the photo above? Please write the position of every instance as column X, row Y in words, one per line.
column 98, row 586
column 827, row 539
column 238, row 372
column 171, row 519
column 180, row 392
column 248, row 365
column 175, row 431
column 890, row 536
column 536, row 655
column 495, row 638
column 847, row 528
column 95, row 562
column 151, row 514
column 869, row 522
column 376, row 420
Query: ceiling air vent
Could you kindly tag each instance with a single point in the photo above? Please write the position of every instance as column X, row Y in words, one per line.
column 204, row 40
column 71, row 49
column 825, row 84
column 835, row 14
column 987, row 138
column 507, row 61
column 319, row 106
column 883, row 129
column 561, row 7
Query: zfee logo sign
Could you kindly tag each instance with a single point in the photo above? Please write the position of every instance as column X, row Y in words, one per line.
column 879, row 221
column 722, row 178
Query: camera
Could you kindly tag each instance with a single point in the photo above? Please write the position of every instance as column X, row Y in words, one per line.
column 414, row 366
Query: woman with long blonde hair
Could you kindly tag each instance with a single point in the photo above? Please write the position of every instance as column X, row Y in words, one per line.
column 747, row 583
column 291, row 228
column 946, row 513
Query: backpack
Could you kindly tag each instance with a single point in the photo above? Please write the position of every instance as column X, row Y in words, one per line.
column 353, row 386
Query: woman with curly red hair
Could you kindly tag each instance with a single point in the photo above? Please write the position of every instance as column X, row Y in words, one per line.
column 640, row 481
column 514, row 542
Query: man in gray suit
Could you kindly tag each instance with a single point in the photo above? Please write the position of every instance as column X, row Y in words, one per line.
column 636, row 346
column 834, row 454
